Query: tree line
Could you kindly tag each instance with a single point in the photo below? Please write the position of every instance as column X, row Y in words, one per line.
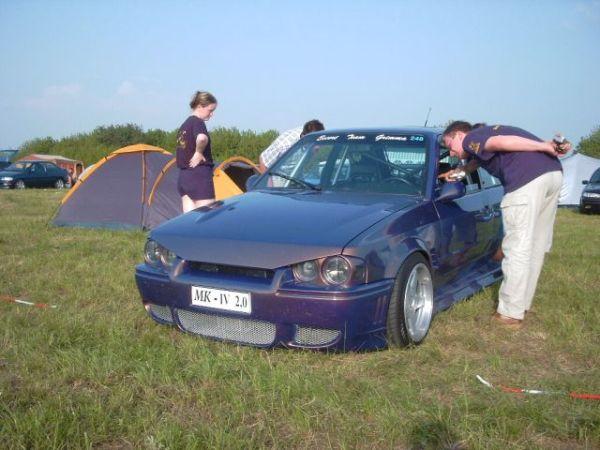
column 92, row 146
column 226, row 142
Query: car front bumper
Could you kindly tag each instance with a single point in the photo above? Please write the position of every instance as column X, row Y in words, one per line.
column 590, row 204
column 342, row 319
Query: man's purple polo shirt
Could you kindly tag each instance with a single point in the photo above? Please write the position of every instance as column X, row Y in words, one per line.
column 513, row 169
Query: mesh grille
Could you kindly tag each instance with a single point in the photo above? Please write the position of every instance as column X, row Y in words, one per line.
column 315, row 336
column 246, row 331
column 161, row 312
column 231, row 271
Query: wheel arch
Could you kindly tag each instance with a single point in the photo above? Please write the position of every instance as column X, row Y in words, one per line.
column 404, row 251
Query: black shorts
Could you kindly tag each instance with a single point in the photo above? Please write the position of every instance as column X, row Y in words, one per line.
column 196, row 183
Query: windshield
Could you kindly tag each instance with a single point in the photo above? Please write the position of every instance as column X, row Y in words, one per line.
column 374, row 162
column 6, row 155
column 19, row 166
column 595, row 177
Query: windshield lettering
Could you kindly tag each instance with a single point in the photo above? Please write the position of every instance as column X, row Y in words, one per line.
column 327, row 138
column 354, row 137
column 385, row 137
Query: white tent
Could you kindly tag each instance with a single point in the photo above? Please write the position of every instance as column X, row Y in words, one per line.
column 576, row 168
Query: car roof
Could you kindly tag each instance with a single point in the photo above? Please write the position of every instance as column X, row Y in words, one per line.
column 397, row 130
column 25, row 161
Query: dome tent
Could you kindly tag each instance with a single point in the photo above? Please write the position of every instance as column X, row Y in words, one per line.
column 164, row 202
column 576, row 169
column 136, row 187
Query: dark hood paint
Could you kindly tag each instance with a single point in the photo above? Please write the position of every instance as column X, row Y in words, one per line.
column 592, row 187
column 275, row 229
column 11, row 173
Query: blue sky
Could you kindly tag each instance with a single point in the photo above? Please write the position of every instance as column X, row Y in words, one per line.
column 70, row 66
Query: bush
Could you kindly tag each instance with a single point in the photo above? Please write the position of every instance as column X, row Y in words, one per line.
column 590, row 145
column 90, row 147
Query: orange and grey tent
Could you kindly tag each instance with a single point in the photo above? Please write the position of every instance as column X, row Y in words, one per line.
column 136, row 187
column 164, row 203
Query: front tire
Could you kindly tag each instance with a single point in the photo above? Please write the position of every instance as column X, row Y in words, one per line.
column 19, row 184
column 411, row 303
column 59, row 184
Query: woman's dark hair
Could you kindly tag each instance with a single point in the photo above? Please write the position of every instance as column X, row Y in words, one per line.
column 202, row 98
column 311, row 126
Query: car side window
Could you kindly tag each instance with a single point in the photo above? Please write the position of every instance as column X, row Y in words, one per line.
column 487, row 179
column 50, row 168
column 472, row 181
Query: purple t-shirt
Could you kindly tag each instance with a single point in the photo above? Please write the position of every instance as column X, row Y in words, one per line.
column 186, row 142
column 513, row 169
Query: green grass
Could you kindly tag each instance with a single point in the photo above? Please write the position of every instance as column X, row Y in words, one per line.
column 96, row 372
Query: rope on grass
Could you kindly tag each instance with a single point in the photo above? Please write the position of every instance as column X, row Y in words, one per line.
column 6, row 298
column 539, row 392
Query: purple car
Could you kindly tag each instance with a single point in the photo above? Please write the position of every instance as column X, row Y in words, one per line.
column 350, row 241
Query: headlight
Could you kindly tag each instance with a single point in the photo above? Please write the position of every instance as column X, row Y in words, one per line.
column 336, row 270
column 591, row 195
column 158, row 256
column 6, row 178
column 306, row 271
column 167, row 257
column 152, row 253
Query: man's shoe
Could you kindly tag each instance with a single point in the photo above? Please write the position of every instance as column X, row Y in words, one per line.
column 507, row 321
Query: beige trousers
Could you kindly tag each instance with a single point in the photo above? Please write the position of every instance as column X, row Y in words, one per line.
column 528, row 218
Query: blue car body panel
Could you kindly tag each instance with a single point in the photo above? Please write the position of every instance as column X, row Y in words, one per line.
column 250, row 243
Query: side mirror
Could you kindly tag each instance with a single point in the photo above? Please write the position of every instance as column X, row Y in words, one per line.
column 585, row 182
column 451, row 191
column 251, row 181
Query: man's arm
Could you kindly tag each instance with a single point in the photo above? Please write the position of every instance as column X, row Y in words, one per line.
column 519, row 144
column 451, row 175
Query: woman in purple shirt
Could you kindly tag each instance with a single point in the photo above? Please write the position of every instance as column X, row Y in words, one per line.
column 194, row 155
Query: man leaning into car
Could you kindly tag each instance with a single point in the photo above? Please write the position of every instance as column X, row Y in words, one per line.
column 532, row 176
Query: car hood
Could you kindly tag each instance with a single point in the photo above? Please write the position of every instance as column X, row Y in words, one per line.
column 275, row 229
column 592, row 187
column 10, row 173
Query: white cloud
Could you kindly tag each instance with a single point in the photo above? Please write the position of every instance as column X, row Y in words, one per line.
column 589, row 10
column 55, row 96
column 126, row 88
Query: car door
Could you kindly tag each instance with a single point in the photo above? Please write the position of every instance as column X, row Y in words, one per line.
column 35, row 175
column 53, row 173
column 493, row 192
column 463, row 229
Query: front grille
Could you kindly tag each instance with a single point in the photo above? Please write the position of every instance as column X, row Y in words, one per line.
column 246, row 331
column 315, row 336
column 161, row 312
column 232, row 271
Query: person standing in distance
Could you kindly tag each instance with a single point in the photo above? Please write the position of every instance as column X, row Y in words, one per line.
column 531, row 174
column 194, row 155
column 284, row 141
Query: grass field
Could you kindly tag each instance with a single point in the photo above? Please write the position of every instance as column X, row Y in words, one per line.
column 96, row 372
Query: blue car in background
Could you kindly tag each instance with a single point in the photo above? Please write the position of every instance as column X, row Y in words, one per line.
column 349, row 242
column 590, row 197
column 22, row 174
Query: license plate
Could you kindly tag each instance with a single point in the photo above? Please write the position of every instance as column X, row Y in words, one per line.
column 222, row 300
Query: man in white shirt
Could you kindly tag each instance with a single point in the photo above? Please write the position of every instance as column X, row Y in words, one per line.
column 284, row 141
